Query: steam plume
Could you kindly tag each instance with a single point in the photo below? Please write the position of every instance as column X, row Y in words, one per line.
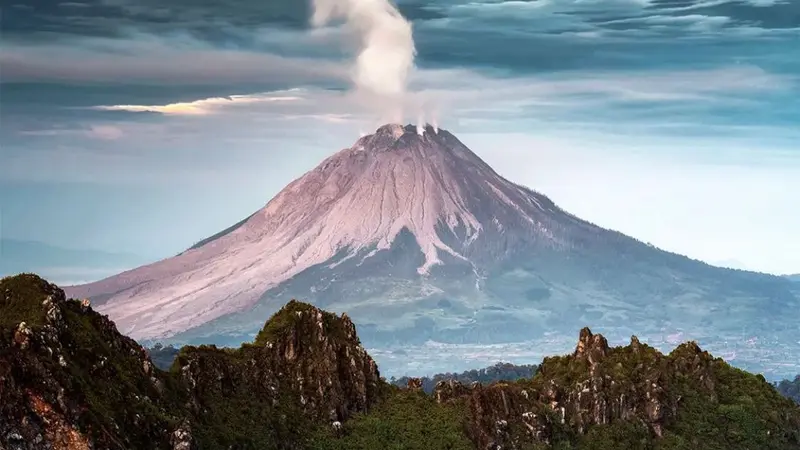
column 386, row 47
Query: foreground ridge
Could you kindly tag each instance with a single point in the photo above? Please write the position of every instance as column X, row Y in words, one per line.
column 70, row 380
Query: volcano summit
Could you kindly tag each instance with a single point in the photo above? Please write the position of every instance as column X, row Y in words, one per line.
column 418, row 239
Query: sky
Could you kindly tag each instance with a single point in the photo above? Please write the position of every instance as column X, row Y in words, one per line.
column 141, row 127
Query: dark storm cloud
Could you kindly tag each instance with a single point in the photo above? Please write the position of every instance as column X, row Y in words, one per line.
column 514, row 36
column 761, row 13
column 49, row 19
column 105, row 52
column 727, row 14
column 144, row 59
column 784, row 14
column 210, row 20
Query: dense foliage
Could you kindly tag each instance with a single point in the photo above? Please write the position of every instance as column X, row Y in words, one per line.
column 408, row 420
column 21, row 300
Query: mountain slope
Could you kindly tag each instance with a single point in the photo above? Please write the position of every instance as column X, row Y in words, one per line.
column 358, row 201
column 418, row 238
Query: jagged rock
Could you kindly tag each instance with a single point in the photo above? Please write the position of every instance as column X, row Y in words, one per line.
column 302, row 350
column 447, row 390
column 592, row 347
column 635, row 344
column 337, row 428
column 22, row 336
column 182, row 438
column 596, row 385
column 414, row 383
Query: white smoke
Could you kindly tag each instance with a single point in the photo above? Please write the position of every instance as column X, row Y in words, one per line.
column 420, row 124
column 385, row 53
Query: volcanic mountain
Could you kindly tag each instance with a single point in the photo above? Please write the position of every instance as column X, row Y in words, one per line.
column 417, row 238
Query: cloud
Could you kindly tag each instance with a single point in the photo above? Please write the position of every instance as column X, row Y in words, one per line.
column 637, row 97
column 696, row 22
column 51, row 21
column 466, row 95
column 646, row 103
column 91, row 131
column 149, row 59
column 203, row 106
column 181, row 42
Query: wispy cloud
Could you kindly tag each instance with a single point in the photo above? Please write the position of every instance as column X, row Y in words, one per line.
column 175, row 59
column 463, row 90
column 91, row 131
column 648, row 105
column 202, row 106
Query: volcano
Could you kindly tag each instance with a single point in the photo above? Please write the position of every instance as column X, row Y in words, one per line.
column 418, row 239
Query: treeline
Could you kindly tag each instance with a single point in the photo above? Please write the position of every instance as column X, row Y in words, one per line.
column 163, row 356
column 790, row 389
column 497, row 372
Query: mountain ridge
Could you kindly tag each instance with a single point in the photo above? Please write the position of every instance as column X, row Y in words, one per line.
column 70, row 380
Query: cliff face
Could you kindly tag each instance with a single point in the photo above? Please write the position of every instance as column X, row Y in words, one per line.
column 306, row 367
column 69, row 380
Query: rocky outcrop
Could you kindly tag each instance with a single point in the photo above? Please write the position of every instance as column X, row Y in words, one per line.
column 595, row 386
column 304, row 356
column 69, row 380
